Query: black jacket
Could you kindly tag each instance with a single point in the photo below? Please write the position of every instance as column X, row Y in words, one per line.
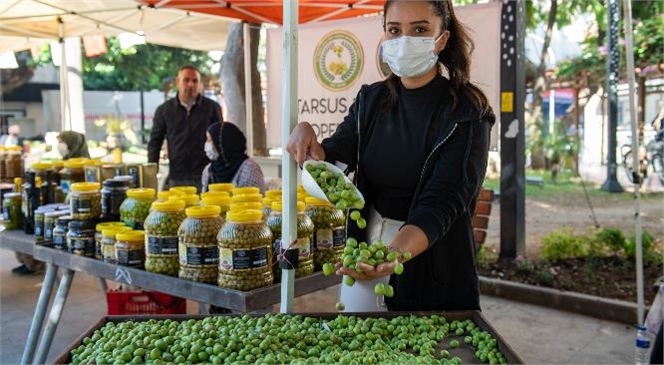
column 185, row 135
column 444, row 276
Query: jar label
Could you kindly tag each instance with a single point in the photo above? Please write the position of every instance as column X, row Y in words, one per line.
column 48, row 234
column 161, row 245
column 323, row 239
column 238, row 259
column 38, row 231
column 59, row 241
column 91, row 175
column 339, row 236
column 304, row 248
column 110, row 202
column 198, row 256
column 5, row 213
column 130, row 257
column 80, row 206
column 108, row 253
column 82, row 246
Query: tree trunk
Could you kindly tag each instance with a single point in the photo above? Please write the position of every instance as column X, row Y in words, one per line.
column 541, row 83
column 233, row 86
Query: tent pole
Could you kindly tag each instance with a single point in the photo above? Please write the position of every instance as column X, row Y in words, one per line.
column 65, row 124
column 629, row 53
column 248, row 102
column 288, row 122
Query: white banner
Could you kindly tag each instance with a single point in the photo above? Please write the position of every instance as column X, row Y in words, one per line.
column 336, row 58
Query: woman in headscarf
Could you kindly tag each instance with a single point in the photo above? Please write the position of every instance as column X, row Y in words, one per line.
column 72, row 144
column 226, row 148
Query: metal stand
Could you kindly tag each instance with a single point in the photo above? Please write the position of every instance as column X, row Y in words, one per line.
column 40, row 312
column 54, row 316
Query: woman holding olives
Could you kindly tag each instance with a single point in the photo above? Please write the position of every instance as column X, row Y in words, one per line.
column 418, row 145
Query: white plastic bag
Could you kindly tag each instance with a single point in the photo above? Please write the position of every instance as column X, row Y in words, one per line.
column 656, row 313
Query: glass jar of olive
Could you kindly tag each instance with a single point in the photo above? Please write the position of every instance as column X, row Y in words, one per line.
column 50, row 221
column 161, row 237
column 107, row 242
column 197, row 244
column 329, row 231
column 11, row 211
column 130, row 248
column 85, row 200
column 72, row 172
column 60, row 232
column 136, row 207
column 81, row 238
column 99, row 235
column 305, row 230
column 245, row 251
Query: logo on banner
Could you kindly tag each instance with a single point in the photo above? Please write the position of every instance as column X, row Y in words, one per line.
column 338, row 60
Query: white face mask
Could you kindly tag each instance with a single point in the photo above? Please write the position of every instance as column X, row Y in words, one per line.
column 63, row 149
column 410, row 56
column 211, row 153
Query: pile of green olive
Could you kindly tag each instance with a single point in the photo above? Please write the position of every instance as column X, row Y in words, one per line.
column 341, row 193
column 284, row 339
column 374, row 255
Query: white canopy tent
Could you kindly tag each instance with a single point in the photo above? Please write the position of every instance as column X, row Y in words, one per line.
column 28, row 23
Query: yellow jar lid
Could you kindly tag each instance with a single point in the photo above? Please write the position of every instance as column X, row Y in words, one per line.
column 141, row 193
column 205, row 211
column 175, row 192
column 190, row 199
column 246, row 190
column 103, row 225
column 215, row 193
column 310, row 200
column 164, row 194
column 93, row 162
column 130, row 236
column 185, row 189
column 246, row 205
column 279, row 207
column 300, row 188
column 222, row 201
column 58, row 164
column 74, row 164
column 18, row 181
column 276, row 193
column 168, row 206
column 246, row 198
column 221, row 187
column 302, row 196
column 177, row 199
column 41, row 166
column 84, row 187
column 113, row 231
column 267, row 201
column 244, row 216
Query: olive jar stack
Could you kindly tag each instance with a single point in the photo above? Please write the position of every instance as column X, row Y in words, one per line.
column 228, row 236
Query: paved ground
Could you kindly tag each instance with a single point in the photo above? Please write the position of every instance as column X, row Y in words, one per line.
column 537, row 334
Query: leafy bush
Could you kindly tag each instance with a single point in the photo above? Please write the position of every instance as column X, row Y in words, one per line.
column 607, row 242
column 563, row 244
column 545, row 277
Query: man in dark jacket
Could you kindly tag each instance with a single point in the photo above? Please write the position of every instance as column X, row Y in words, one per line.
column 183, row 121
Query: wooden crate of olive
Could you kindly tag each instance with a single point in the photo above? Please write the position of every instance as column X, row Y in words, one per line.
column 313, row 338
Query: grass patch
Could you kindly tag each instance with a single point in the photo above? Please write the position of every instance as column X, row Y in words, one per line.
column 569, row 185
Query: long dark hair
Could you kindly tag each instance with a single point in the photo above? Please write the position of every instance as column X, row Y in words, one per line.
column 455, row 57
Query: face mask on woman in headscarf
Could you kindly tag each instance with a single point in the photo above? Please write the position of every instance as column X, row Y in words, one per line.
column 226, row 148
column 72, row 144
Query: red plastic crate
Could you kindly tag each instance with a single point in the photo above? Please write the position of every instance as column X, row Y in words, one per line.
column 144, row 302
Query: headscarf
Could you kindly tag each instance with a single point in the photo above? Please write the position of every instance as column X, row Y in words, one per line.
column 231, row 144
column 76, row 144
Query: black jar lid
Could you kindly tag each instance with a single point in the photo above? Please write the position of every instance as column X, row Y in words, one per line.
column 112, row 183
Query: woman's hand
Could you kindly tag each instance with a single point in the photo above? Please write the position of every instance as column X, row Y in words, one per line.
column 303, row 144
column 368, row 272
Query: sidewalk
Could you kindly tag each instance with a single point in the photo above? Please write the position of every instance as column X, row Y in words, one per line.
column 538, row 335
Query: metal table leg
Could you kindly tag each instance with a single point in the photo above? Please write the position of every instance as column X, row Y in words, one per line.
column 54, row 316
column 102, row 285
column 40, row 312
column 202, row 309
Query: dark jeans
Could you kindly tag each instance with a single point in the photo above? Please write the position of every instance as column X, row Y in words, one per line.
column 657, row 350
